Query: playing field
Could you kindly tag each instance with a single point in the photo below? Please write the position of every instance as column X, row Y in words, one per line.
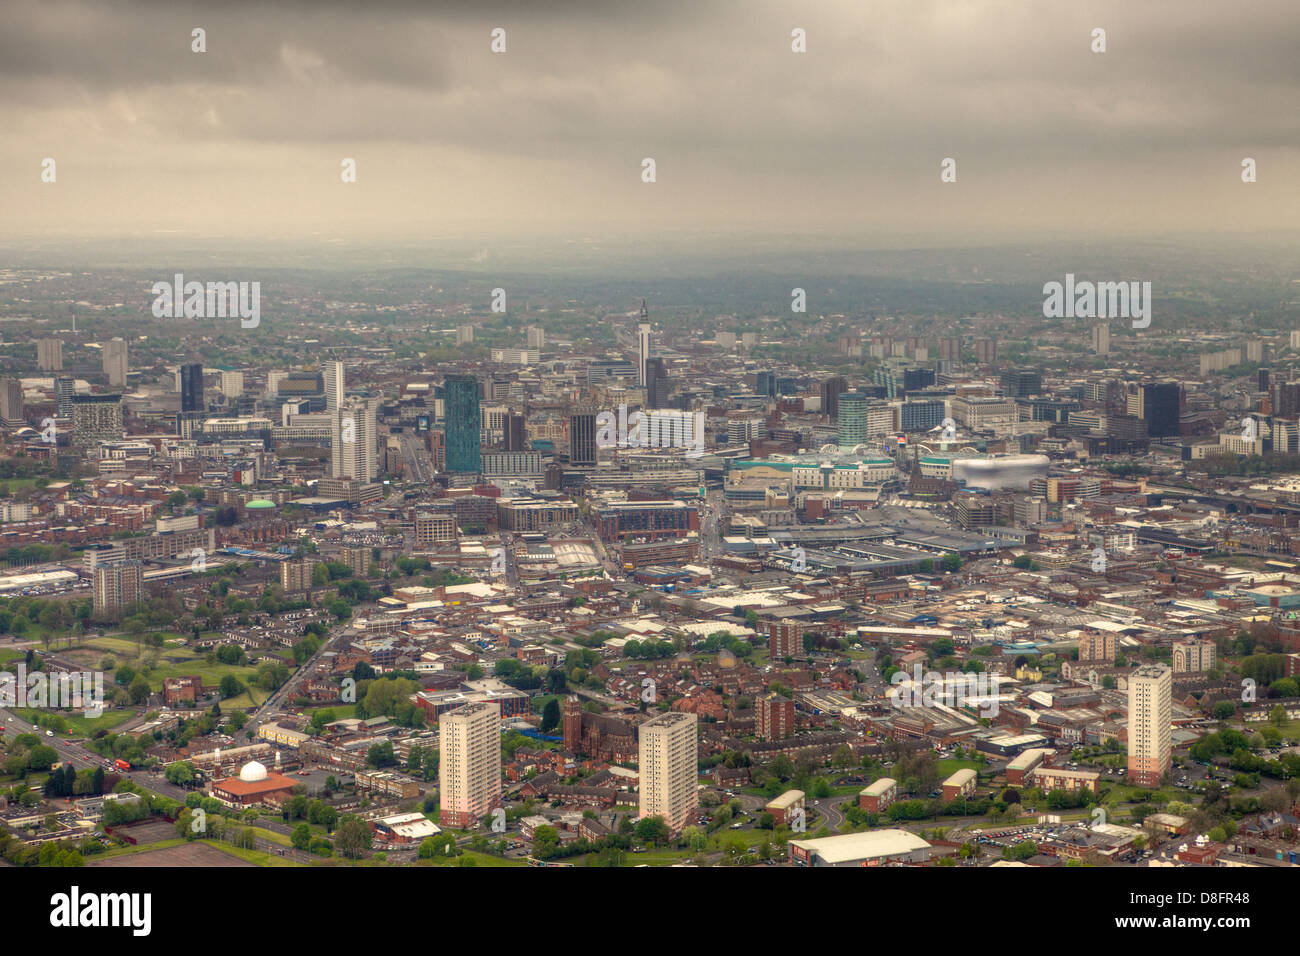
column 190, row 854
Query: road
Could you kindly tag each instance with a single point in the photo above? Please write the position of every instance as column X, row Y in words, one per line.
column 831, row 812
column 711, row 510
column 415, row 455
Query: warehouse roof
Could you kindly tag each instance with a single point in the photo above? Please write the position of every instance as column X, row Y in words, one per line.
column 870, row 844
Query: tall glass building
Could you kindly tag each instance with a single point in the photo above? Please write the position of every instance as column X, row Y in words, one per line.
column 192, row 387
column 460, row 401
column 852, row 419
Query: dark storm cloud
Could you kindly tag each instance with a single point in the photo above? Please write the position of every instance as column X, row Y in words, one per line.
column 739, row 124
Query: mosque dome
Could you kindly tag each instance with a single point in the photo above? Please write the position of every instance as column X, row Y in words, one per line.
column 252, row 772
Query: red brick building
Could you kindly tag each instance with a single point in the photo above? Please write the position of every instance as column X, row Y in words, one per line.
column 776, row 719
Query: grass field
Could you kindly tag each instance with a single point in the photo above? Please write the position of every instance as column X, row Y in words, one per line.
column 256, row 857
column 340, row 711
column 172, row 659
column 80, row 725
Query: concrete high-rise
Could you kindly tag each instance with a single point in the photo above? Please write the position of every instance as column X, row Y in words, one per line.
column 49, row 355
column 462, row 424
column 117, row 587
column 642, row 345
column 11, row 401
column 96, row 418
column 1096, row 646
column 232, row 383
column 1150, row 711
column 115, row 363
column 469, row 765
column 352, row 444
column 831, row 390
column 1101, row 338
column 668, row 763
column 334, row 385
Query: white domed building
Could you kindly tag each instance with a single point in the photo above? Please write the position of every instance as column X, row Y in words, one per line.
column 254, row 785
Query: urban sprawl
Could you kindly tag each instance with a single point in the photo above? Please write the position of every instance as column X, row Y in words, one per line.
column 441, row 577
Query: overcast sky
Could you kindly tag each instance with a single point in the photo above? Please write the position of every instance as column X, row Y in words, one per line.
column 450, row 139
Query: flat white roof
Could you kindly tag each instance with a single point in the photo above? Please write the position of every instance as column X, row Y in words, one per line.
column 880, row 786
column 960, row 778
column 863, row 846
column 786, row 800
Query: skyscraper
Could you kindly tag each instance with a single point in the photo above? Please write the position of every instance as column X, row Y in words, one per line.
column 643, row 352
column 1150, row 710
column 461, row 423
column 64, row 389
column 668, row 763
column 642, row 345
column 582, row 438
column 656, row 383
column 515, row 432
column 1160, row 407
column 334, row 385
column 1101, row 338
column 11, row 401
column 192, row 387
column 96, row 418
column 352, row 445
column 232, row 383
column 115, row 363
column 469, row 766
column 831, row 390
column 852, row 419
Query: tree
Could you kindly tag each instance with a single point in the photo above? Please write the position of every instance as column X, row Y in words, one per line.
column 653, row 830
column 301, row 836
column 353, row 837
column 41, row 757
column 381, row 755
column 180, row 773
column 139, row 688
column 550, row 715
column 545, row 840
